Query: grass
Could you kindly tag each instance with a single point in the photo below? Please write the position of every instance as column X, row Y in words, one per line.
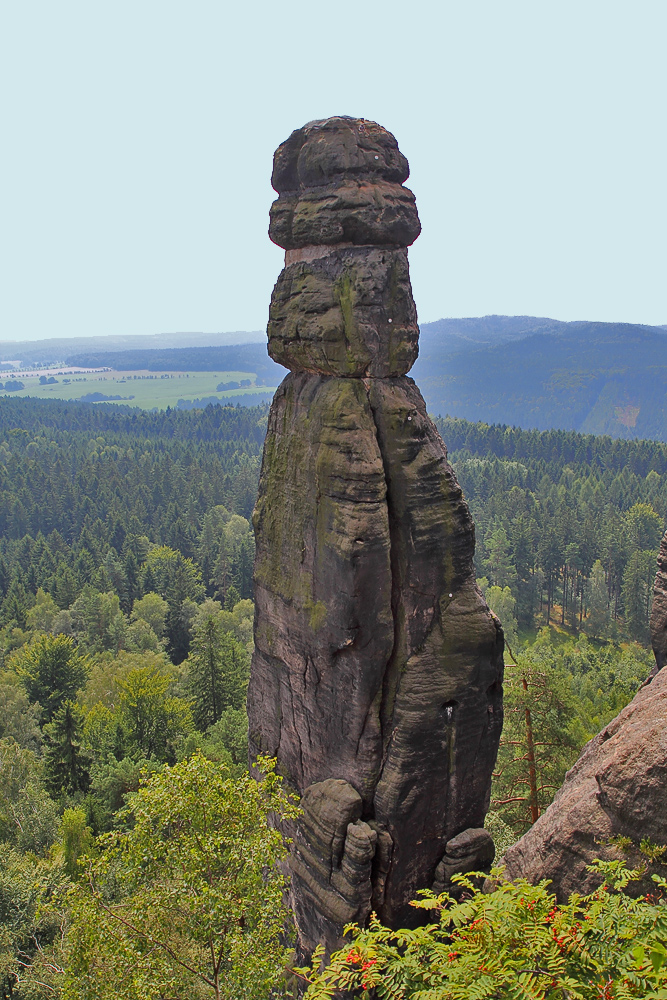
column 150, row 389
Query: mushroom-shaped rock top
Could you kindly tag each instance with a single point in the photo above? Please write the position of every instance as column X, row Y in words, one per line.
column 340, row 180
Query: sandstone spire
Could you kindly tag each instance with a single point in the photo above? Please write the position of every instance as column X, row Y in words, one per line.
column 377, row 672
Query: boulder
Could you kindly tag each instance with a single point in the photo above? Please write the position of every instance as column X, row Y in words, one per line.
column 331, row 863
column 341, row 181
column 618, row 787
column 348, row 313
column 357, row 212
column 471, row 851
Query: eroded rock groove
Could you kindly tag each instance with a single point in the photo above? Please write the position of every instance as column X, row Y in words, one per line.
column 377, row 673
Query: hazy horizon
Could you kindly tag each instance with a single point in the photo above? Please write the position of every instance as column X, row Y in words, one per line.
column 139, row 141
column 200, row 338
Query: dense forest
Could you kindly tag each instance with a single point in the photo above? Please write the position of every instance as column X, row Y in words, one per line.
column 570, row 523
column 85, row 493
column 126, row 628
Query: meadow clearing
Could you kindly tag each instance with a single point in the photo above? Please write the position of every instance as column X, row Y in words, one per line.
column 144, row 389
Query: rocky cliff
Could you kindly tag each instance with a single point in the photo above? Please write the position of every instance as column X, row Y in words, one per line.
column 377, row 674
column 617, row 788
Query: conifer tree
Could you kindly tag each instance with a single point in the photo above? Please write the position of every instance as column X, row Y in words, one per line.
column 217, row 667
column 597, row 619
column 638, row 592
column 540, row 737
column 66, row 764
column 499, row 562
column 52, row 671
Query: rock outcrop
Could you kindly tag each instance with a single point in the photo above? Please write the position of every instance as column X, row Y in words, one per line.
column 377, row 673
column 617, row 788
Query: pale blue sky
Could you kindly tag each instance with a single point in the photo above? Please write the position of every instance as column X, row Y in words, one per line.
column 137, row 140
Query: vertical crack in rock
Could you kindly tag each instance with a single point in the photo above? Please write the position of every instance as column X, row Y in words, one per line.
column 377, row 673
column 391, row 675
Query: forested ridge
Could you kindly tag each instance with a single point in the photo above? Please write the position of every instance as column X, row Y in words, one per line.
column 599, row 378
column 240, row 357
column 126, row 633
column 564, row 518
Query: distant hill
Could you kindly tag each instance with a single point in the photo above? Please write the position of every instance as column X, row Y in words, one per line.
column 239, row 358
column 598, row 378
column 56, row 349
column 454, row 335
column 527, row 371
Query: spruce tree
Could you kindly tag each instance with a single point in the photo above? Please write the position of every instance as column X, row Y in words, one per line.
column 597, row 598
column 217, row 667
column 52, row 671
column 65, row 762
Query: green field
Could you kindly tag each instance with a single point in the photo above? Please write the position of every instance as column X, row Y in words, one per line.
column 148, row 389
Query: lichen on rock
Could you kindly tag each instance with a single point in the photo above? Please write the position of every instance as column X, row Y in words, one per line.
column 377, row 673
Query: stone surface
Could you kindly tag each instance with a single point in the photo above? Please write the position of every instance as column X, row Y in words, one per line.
column 339, row 181
column 471, row 851
column 377, row 672
column 337, row 148
column 348, row 313
column 659, row 609
column 617, row 787
column 351, row 211
column 331, row 862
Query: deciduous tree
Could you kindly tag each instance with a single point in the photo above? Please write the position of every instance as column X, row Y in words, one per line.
column 188, row 902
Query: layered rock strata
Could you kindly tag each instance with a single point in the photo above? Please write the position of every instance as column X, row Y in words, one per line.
column 617, row 788
column 377, row 673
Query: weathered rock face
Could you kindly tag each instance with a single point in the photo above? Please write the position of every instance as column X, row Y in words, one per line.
column 348, row 313
column 377, row 673
column 659, row 609
column 617, row 787
column 341, row 181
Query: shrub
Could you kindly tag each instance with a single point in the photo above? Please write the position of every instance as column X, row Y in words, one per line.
column 514, row 943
